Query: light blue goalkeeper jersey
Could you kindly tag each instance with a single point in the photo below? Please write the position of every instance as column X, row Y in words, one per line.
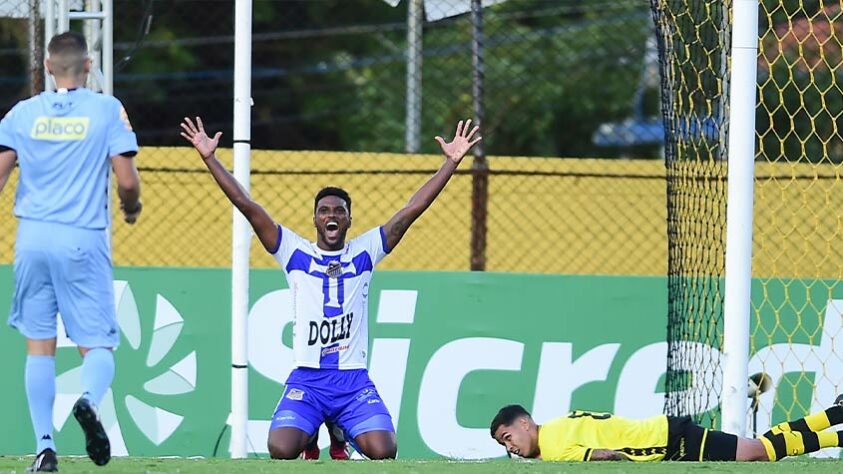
column 64, row 143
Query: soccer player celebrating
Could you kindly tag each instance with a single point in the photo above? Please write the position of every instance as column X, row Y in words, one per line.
column 330, row 281
column 64, row 142
column 590, row 436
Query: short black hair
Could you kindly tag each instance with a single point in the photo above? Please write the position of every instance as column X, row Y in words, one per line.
column 68, row 52
column 332, row 191
column 68, row 41
column 506, row 416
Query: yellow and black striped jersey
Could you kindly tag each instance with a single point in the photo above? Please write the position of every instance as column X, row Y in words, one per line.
column 575, row 436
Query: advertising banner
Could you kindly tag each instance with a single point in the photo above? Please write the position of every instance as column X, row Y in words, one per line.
column 447, row 350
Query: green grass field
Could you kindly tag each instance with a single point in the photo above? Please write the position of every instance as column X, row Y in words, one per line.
column 9, row 464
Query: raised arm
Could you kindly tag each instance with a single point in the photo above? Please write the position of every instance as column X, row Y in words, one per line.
column 7, row 164
column 261, row 222
column 454, row 151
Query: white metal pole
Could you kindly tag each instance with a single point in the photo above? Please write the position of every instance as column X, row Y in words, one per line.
column 107, row 50
column 412, row 131
column 242, row 235
column 91, row 37
column 106, row 61
column 91, row 30
column 49, row 32
column 63, row 16
column 739, row 214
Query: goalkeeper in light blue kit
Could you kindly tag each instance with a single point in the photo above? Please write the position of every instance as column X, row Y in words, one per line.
column 64, row 143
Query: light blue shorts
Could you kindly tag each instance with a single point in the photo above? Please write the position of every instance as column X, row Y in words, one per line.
column 64, row 269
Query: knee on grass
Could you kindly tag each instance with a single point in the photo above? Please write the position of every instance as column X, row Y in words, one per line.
column 283, row 451
column 277, row 451
column 382, row 451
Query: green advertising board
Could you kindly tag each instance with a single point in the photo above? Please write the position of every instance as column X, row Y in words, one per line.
column 446, row 351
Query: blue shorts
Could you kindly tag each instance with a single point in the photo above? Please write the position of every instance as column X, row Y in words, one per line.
column 64, row 269
column 346, row 397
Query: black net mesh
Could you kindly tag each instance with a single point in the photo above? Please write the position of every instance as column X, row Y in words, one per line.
column 693, row 46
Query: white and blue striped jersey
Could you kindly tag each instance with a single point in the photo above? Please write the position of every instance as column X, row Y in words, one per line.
column 64, row 143
column 330, row 297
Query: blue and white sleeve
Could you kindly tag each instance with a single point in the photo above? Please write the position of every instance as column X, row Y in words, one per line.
column 288, row 242
column 374, row 241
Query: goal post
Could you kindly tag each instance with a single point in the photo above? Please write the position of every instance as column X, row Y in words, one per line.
column 752, row 99
column 741, row 176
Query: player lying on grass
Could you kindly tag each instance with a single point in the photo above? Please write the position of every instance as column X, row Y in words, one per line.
column 589, row 436
column 330, row 280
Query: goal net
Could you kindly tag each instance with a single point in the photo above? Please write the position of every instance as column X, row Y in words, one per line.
column 795, row 334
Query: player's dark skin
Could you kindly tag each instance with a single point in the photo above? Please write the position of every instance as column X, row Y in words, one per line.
column 332, row 219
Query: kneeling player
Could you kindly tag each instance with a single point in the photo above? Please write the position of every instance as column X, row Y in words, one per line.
column 330, row 281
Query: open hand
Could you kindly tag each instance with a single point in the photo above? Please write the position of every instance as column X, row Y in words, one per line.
column 462, row 142
column 195, row 134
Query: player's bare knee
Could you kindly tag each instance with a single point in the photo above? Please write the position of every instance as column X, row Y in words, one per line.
column 385, row 451
column 278, row 451
column 286, row 444
column 760, row 454
column 751, row 450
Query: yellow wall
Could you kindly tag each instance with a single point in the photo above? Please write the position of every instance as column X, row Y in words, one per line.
column 546, row 215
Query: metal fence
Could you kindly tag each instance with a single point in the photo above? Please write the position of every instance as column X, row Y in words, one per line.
column 548, row 79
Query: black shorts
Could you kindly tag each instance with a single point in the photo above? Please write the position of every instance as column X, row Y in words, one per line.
column 688, row 441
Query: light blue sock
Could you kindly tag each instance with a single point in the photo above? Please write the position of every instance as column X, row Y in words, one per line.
column 40, row 381
column 97, row 373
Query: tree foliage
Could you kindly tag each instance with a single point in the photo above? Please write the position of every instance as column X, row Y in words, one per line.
column 331, row 75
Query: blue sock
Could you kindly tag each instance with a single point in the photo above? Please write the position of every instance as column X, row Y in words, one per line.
column 40, row 381
column 97, row 373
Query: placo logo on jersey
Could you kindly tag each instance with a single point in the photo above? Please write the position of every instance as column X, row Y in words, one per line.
column 60, row 128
